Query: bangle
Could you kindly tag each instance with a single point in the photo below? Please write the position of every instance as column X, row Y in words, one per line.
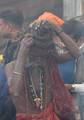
column 17, row 73
column 16, row 94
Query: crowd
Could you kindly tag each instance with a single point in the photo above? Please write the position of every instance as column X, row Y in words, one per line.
column 41, row 69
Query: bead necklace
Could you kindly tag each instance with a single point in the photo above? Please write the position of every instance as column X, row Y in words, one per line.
column 38, row 100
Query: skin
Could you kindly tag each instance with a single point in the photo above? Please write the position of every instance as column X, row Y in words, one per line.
column 24, row 49
column 17, row 81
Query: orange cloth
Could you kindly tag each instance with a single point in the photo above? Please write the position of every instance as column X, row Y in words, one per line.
column 51, row 17
column 47, row 114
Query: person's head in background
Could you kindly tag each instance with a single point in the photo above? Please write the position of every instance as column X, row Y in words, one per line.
column 11, row 22
column 75, row 29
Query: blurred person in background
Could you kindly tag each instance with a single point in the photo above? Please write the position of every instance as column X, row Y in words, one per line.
column 11, row 22
column 10, row 25
column 72, row 70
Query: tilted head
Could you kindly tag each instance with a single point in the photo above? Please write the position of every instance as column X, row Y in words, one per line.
column 42, row 32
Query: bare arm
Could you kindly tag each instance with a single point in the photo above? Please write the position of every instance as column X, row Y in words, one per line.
column 18, row 72
column 72, row 48
column 60, row 52
column 70, row 44
column 61, row 58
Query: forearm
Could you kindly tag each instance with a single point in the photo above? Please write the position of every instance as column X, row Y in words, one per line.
column 20, row 61
column 70, row 44
column 62, row 56
column 18, row 73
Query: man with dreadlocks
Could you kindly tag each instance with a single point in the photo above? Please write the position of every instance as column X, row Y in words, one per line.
column 37, row 89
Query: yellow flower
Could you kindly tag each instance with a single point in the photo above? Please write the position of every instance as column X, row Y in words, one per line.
column 1, row 57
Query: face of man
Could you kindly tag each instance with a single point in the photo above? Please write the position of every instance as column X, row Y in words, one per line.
column 3, row 27
column 7, row 30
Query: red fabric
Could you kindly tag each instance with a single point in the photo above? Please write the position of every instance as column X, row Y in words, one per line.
column 62, row 100
column 62, row 103
column 47, row 114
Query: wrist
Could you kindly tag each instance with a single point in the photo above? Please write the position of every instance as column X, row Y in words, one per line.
column 23, row 50
column 23, row 47
column 60, row 31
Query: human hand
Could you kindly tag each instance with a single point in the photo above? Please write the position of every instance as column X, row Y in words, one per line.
column 51, row 26
column 27, row 41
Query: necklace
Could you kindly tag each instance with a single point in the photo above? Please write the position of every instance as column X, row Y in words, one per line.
column 38, row 100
